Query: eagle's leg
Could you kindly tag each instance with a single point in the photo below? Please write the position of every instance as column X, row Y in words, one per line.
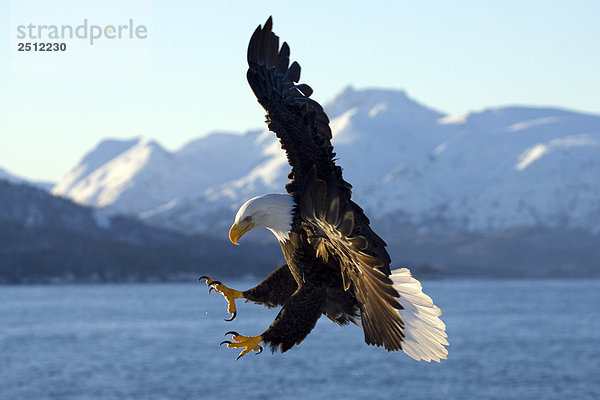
column 296, row 319
column 247, row 343
column 275, row 290
column 293, row 323
column 229, row 294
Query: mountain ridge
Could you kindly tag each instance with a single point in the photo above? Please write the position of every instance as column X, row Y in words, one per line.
column 47, row 239
column 478, row 171
column 10, row 177
column 501, row 192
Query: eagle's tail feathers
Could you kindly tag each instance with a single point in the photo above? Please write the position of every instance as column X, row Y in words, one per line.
column 424, row 332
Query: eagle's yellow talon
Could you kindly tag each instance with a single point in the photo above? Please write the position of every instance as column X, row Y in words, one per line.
column 248, row 343
column 229, row 294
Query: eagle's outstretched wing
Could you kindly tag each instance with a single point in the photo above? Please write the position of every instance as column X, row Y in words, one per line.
column 298, row 121
column 336, row 227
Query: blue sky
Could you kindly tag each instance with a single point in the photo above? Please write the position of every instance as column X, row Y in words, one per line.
column 187, row 78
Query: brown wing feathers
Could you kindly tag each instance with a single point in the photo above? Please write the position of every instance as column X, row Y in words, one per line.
column 273, row 80
column 335, row 225
column 335, row 233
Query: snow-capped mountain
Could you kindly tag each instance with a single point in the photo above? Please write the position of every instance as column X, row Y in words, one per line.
column 410, row 166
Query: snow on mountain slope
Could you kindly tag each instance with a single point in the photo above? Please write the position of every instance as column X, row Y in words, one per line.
column 139, row 176
column 132, row 177
column 490, row 173
column 409, row 165
column 95, row 159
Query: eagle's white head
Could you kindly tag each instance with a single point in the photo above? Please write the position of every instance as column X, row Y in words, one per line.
column 272, row 211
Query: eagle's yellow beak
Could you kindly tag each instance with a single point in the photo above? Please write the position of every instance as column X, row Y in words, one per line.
column 237, row 231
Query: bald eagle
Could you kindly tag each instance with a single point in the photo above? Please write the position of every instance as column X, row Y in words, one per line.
column 335, row 264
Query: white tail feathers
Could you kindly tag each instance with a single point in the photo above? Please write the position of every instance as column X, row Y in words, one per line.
column 424, row 332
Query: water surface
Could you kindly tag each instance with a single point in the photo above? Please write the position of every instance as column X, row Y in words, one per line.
column 508, row 340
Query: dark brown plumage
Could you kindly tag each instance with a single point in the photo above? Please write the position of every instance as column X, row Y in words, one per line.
column 332, row 247
column 335, row 264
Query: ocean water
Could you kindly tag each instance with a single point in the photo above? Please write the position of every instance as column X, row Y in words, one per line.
column 508, row 340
